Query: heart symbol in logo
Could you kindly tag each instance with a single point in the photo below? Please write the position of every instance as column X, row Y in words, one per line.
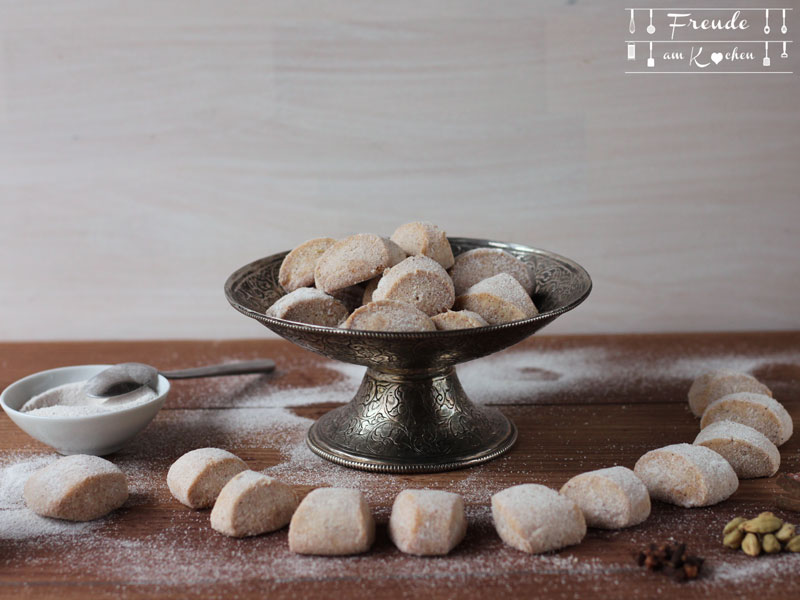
column 716, row 57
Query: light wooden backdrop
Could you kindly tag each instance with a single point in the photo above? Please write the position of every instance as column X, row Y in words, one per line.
column 148, row 149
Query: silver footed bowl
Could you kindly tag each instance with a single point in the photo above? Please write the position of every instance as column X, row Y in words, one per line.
column 410, row 414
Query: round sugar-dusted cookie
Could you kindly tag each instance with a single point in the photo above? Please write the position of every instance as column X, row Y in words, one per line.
column 427, row 522
column 419, row 281
column 458, row 319
column 76, row 488
column 533, row 518
column 385, row 315
column 309, row 305
column 498, row 299
column 332, row 521
column 197, row 477
column 354, row 259
column 610, row 498
column 251, row 504
column 297, row 269
column 748, row 451
column 686, row 475
column 758, row 411
column 716, row 384
column 481, row 263
column 421, row 238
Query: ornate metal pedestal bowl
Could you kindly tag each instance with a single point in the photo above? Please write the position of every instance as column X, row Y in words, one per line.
column 410, row 413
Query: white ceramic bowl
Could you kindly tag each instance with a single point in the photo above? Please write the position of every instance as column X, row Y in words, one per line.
column 96, row 434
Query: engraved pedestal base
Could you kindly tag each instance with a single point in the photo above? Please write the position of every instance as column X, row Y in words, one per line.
column 411, row 422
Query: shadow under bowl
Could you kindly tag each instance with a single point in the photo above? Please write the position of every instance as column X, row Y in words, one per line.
column 410, row 413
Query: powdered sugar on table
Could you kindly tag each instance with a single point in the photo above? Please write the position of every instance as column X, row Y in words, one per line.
column 263, row 420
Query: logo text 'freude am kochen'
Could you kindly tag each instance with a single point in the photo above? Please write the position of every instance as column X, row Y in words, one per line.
column 709, row 40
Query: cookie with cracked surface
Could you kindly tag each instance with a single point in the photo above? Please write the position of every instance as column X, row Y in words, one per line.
column 419, row 281
column 332, row 522
column 713, row 385
column 498, row 299
column 758, row 411
column 197, row 477
column 309, row 305
column 535, row 519
column 686, row 475
column 478, row 264
column 427, row 522
column 610, row 498
column 749, row 452
column 422, row 238
column 297, row 269
column 385, row 315
column 355, row 259
column 76, row 488
column 458, row 319
column 251, row 504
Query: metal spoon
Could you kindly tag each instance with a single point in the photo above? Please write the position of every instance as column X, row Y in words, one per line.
column 125, row 378
column 651, row 28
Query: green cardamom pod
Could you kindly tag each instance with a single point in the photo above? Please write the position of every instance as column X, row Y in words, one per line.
column 763, row 523
column 733, row 525
column 750, row 545
column 785, row 533
column 771, row 544
column 733, row 539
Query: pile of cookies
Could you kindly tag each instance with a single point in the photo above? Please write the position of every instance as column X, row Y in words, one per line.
column 408, row 282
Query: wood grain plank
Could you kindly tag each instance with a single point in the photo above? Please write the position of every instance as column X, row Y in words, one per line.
column 154, row 547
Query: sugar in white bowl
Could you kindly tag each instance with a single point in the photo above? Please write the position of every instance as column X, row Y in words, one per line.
column 97, row 434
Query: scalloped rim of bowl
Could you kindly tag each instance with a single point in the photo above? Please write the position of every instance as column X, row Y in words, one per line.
column 298, row 326
column 162, row 381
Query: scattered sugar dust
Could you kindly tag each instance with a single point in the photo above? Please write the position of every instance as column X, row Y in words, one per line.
column 522, row 376
column 184, row 550
column 742, row 569
column 234, row 392
column 535, row 375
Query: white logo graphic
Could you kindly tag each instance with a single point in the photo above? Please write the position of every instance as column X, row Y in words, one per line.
column 710, row 40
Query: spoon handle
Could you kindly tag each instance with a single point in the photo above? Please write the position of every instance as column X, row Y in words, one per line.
column 245, row 367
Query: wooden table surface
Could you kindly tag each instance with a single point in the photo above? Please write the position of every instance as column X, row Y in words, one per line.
column 580, row 403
